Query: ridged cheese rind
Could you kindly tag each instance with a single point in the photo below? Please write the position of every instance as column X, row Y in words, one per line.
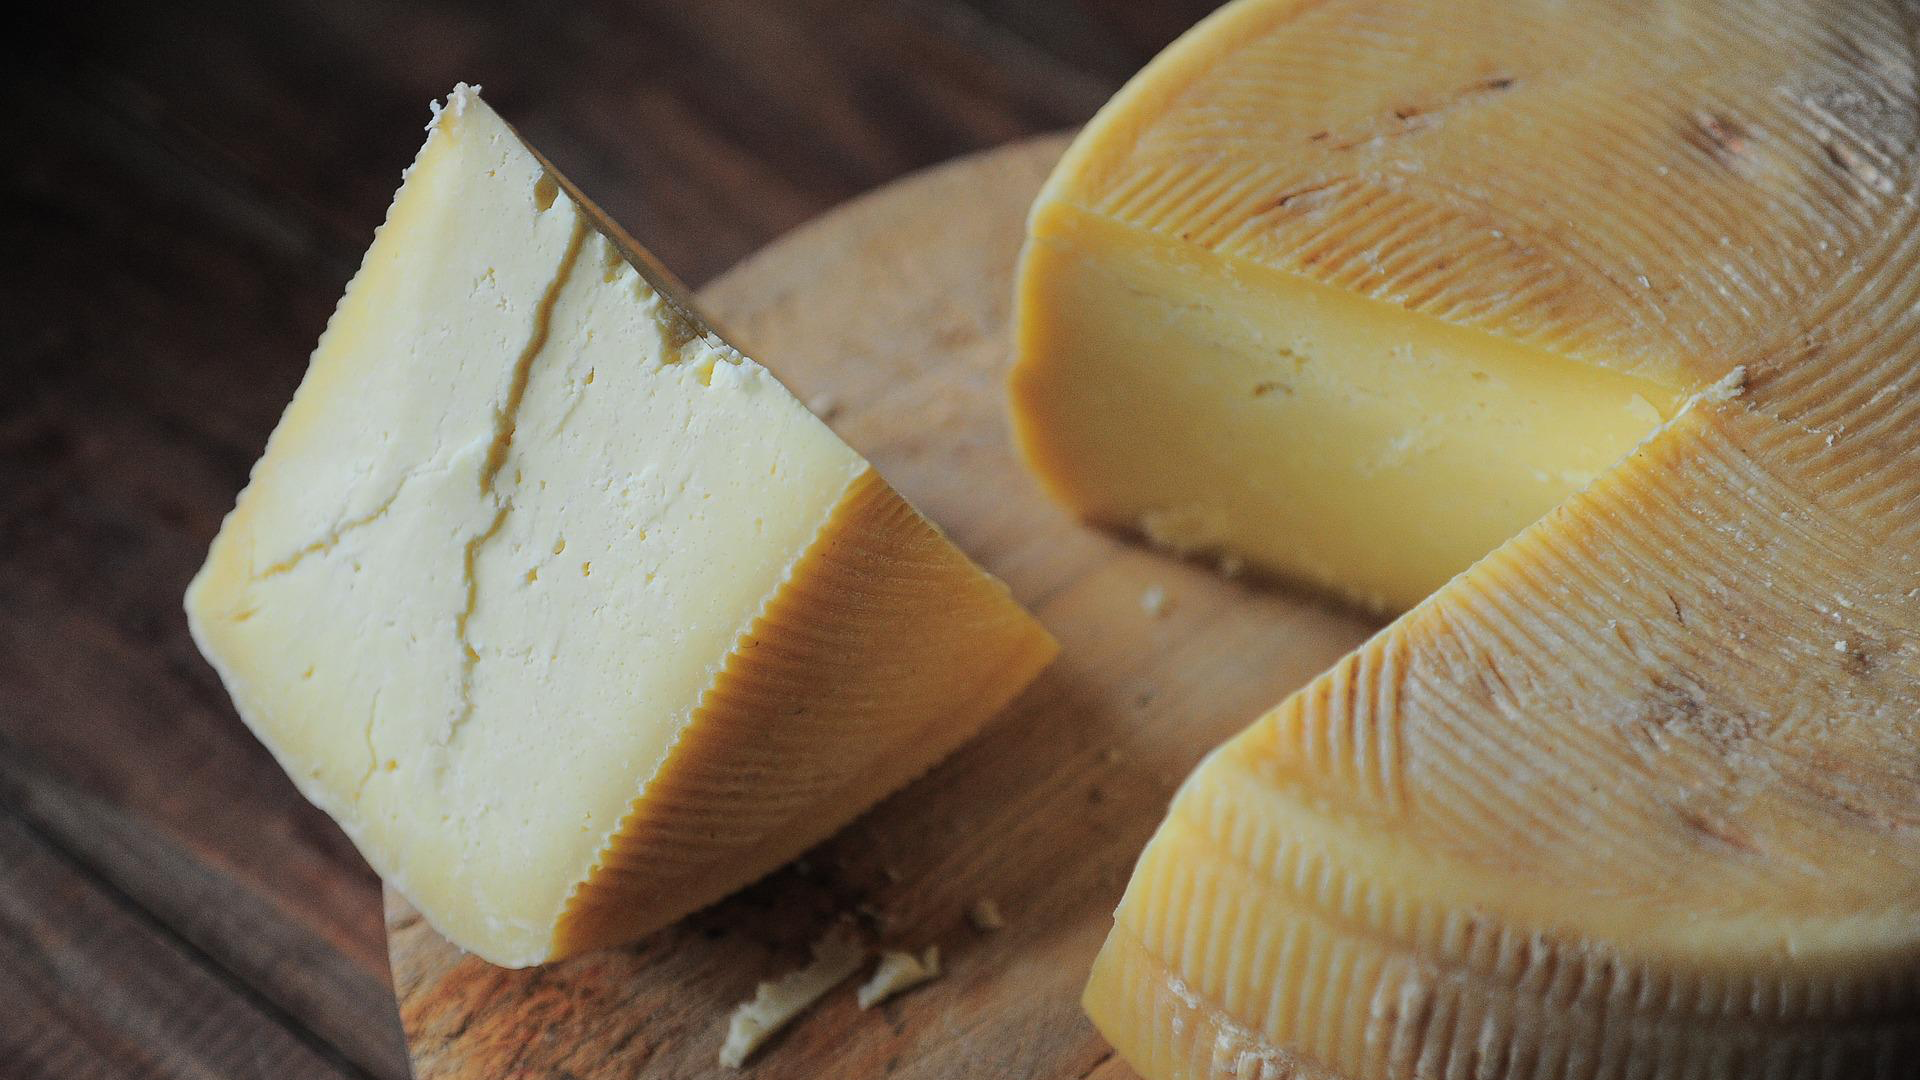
column 881, row 654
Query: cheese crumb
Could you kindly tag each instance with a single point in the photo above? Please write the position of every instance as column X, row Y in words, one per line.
column 1730, row 386
column 1643, row 410
column 985, row 915
column 824, row 406
column 898, row 972
column 1154, row 601
column 777, row 1001
column 1184, row 530
column 456, row 103
column 1840, row 646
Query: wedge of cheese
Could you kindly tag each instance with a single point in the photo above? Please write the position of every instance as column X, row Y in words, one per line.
column 1359, row 289
column 571, row 615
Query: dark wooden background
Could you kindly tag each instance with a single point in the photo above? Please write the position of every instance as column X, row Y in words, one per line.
column 187, row 190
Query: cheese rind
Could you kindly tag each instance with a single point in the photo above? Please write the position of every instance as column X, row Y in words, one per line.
column 780, row 744
column 536, row 573
column 1634, row 794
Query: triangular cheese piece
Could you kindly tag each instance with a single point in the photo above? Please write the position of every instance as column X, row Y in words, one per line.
column 570, row 614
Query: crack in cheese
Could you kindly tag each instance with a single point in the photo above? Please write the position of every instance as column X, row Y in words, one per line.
column 1619, row 299
column 571, row 615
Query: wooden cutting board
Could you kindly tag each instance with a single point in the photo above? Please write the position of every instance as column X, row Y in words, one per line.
column 890, row 316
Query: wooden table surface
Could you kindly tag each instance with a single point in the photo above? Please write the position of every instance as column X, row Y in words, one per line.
column 187, row 190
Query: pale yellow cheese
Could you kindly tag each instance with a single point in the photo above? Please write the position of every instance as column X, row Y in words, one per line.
column 897, row 973
column 1218, row 406
column 778, row 1002
column 1638, row 793
column 571, row 615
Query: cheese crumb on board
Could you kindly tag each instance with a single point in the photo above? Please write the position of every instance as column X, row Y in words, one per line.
column 825, row 406
column 776, row 1002
column 898, row 972
column 985, row 915
column 1154, row 601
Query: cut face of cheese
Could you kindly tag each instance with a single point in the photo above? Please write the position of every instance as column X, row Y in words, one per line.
column 1317, row 295
column 1638, row 792
column 571, row 615
column 1218, row 406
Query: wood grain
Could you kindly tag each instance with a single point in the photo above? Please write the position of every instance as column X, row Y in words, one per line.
column 895, row 310
column 152, row 342
column 284, row 966
column 704, row 128
column 115, row 995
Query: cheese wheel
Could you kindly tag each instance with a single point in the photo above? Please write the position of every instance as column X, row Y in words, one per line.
column 1587, row 331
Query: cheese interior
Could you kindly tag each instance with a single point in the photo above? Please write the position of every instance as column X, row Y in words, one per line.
column 1221, row 406
column 508, row 531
